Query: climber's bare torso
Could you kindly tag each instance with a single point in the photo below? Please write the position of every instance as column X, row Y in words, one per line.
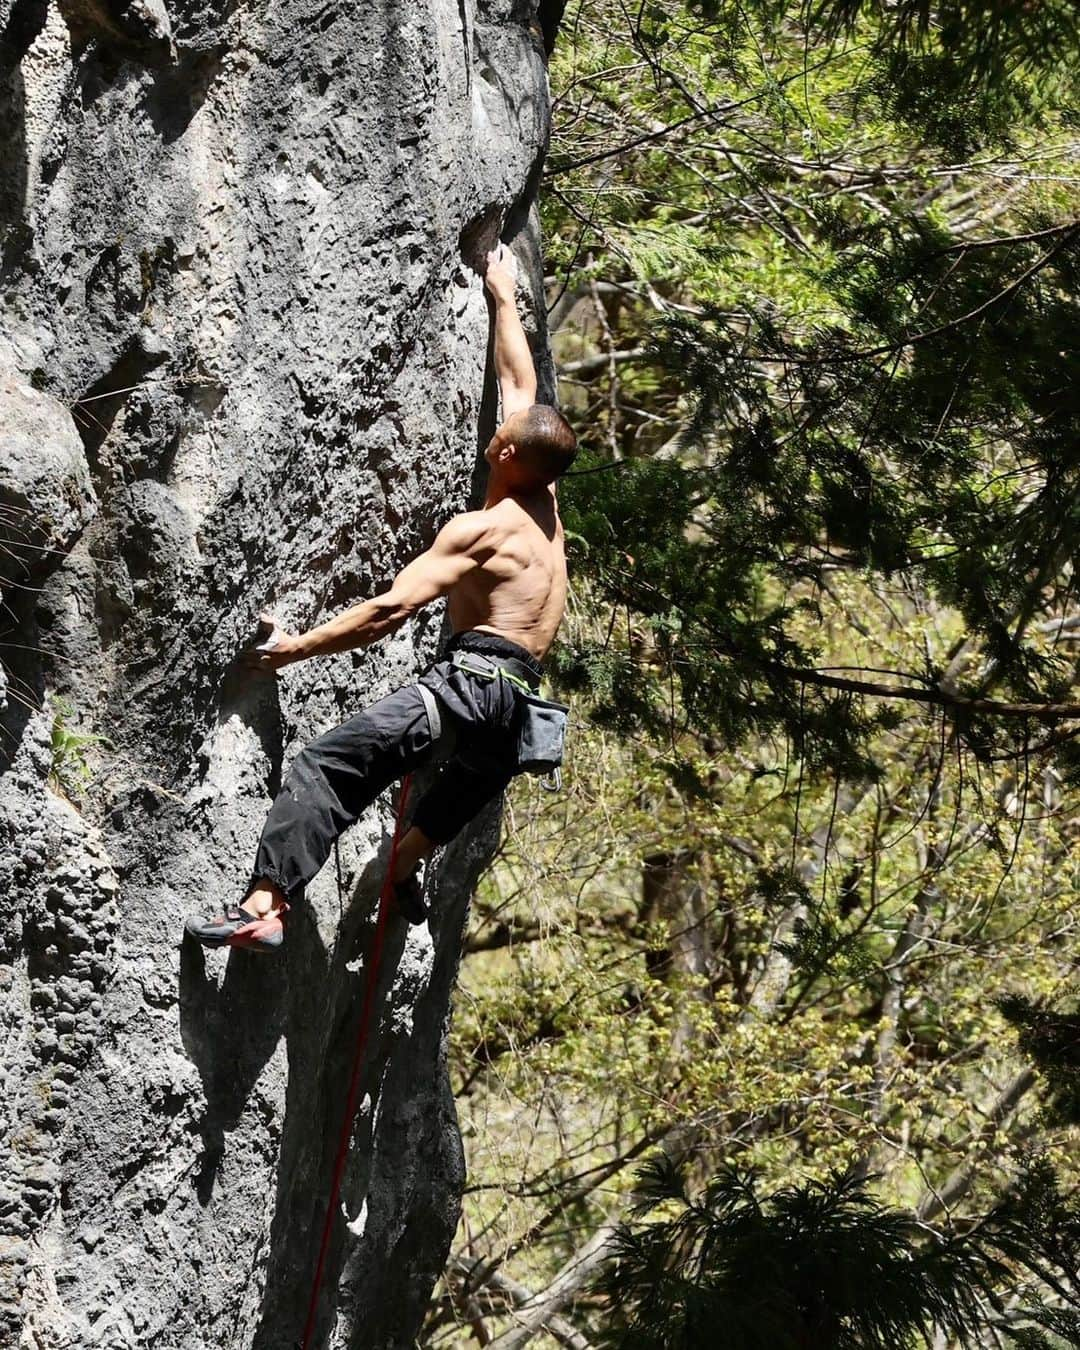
column 518, row 587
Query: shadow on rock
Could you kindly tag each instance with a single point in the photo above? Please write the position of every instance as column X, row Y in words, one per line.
column 323, row 1022
column 231, row 1029
column 179, row 91
column 229, row 1032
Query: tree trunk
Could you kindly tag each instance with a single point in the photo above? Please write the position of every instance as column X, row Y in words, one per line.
column 672, row 899
column 243, row 364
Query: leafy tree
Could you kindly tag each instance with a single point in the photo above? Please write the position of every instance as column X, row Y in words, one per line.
column 796, row 859
column 902, row 405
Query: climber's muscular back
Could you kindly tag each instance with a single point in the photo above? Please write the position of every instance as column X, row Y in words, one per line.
column 516, row 586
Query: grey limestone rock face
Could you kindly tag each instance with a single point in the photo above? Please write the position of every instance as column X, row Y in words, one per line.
column 46, row 496
column 243, row 365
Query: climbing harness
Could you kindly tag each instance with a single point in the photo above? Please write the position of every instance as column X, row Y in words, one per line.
column 488, row 668
column 541, row 722
column 385, row 900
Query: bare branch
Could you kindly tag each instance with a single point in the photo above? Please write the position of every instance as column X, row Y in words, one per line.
column 517, row 1296
column 961, row 1179
column 591, row 365
column 578, row 1272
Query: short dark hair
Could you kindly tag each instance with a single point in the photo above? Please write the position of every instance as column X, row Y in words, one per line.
column 545, row 441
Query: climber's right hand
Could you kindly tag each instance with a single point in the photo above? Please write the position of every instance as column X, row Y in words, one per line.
column 500, row 275
column 275, row 647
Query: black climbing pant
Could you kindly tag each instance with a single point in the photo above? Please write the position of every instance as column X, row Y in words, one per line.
column 337, row 776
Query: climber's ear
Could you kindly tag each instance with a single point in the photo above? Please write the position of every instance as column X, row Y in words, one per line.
column 500, row 451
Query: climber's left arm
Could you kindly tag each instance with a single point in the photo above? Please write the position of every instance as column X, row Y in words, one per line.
column 460, row 546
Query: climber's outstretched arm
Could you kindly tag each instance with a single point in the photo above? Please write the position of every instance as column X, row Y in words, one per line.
column 459, row 547
column 513, row 359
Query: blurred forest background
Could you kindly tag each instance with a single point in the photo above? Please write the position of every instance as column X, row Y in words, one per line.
column 800, row 933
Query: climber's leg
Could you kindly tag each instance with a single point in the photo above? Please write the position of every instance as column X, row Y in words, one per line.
column 332, row 781
column 470, row 780
column 329, row 784
column 265, row 898
column 456, row 797
column 414, row 846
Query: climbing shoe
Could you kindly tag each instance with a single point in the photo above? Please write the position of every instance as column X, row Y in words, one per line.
column 409, row 895
column 237, row 928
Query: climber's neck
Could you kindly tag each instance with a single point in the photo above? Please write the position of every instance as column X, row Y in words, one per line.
column 500, row 488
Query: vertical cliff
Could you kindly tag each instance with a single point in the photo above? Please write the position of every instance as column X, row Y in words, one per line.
column 242, row 364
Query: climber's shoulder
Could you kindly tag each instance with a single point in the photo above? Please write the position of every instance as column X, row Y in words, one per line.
column 474, row 533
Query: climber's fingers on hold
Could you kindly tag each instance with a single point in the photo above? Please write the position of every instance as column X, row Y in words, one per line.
column 267, row 653
column 255, row 658
column 500, row 267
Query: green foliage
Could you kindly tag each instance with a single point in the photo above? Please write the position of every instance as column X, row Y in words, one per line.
column 1047, row 1329
column 821, row 945
column 824, row 1263
column 986, row 41
column 1037, row 1228
column 858, row 374
column 69, row 769
column 884, row 466
column 819, row 1263
column 814, row 288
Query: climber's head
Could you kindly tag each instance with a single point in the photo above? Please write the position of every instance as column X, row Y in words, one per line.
column 533, row 447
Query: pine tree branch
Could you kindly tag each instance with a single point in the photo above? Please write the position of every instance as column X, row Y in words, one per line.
column 702, row 114
column 1001, row 240
column 936, row 695
column 887, row 348
column 1049, row 712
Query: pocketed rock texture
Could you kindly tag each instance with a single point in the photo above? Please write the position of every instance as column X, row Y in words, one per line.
column 243, row 365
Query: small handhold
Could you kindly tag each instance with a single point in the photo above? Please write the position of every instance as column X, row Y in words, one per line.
column 480, row 236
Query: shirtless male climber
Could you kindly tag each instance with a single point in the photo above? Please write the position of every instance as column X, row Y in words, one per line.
column 503, row 570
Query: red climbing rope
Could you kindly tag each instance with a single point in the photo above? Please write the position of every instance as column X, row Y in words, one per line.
column 385, row 896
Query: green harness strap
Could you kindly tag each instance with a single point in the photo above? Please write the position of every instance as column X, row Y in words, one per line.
column 493, row 672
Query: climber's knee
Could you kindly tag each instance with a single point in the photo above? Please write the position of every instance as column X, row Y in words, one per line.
column 458, row 795
column 317, row 778
column 307, row 766
column 438, row 819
